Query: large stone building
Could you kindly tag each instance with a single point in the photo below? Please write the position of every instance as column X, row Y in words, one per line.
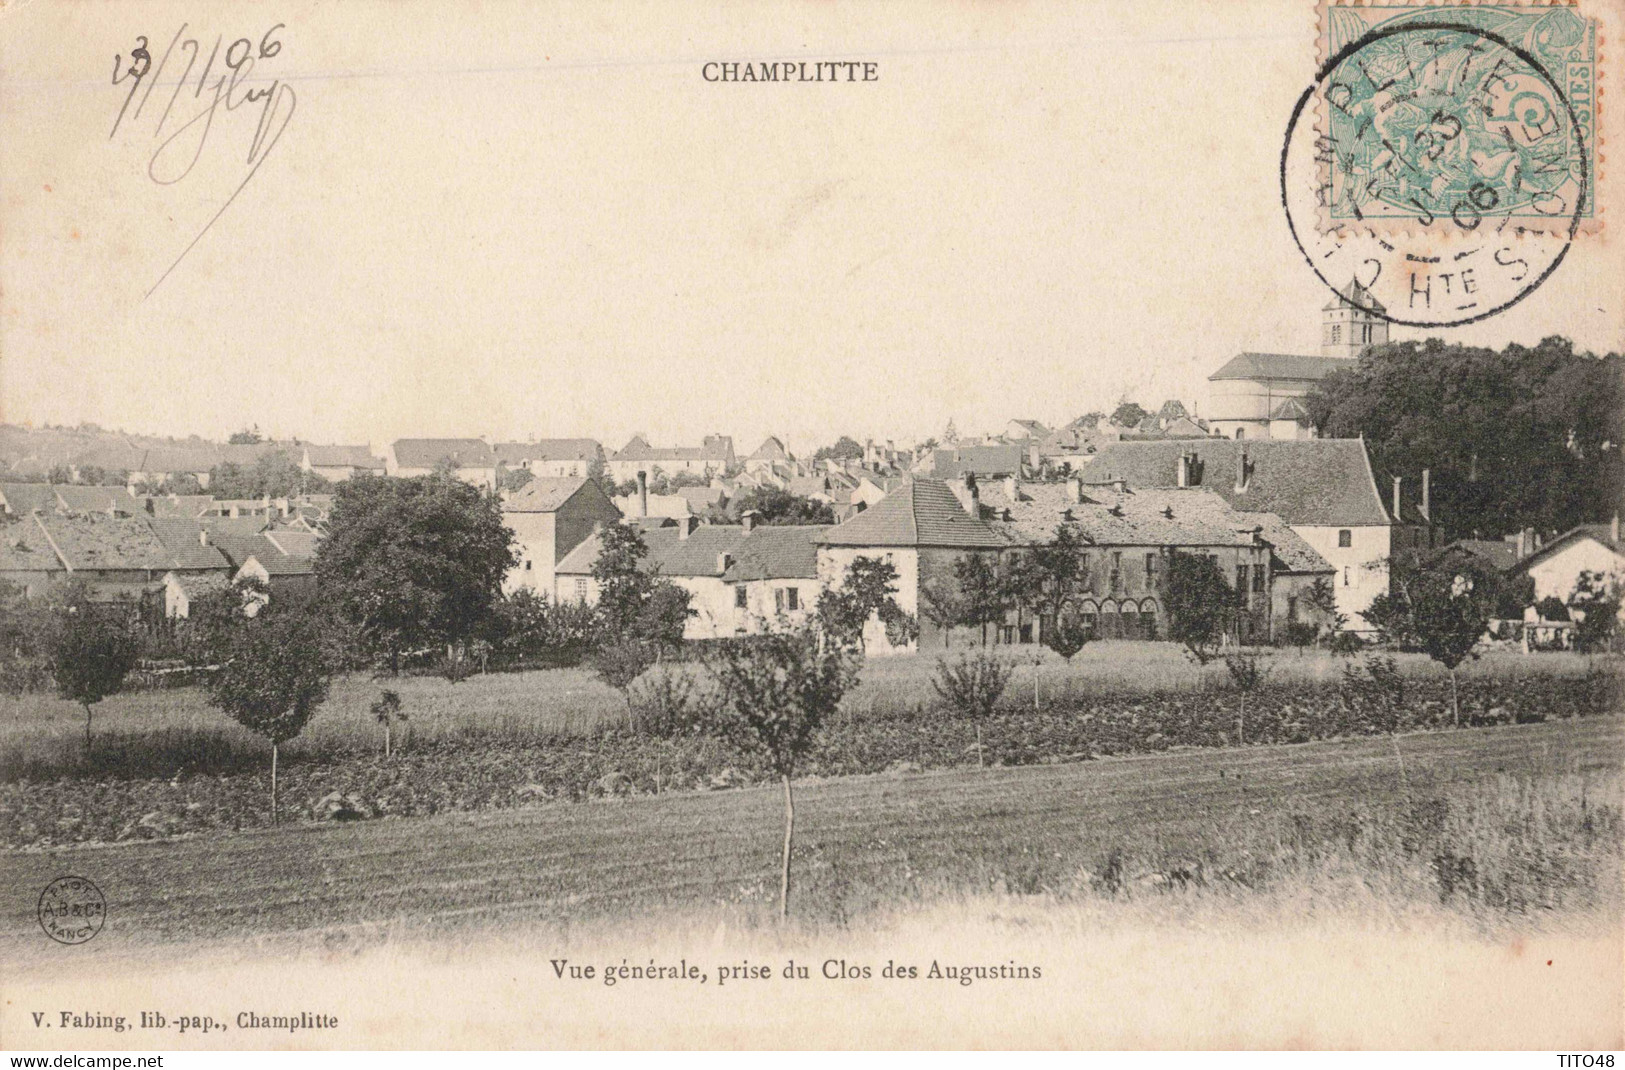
column 1259, row 395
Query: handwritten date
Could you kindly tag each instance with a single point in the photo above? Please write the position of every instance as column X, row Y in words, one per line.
column 179, row 144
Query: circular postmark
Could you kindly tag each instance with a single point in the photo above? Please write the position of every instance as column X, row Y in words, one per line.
column 72, row 910
column 1438, row 166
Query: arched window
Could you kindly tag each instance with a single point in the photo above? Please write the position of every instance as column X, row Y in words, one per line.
column 1110, row 628
column 1129, row 619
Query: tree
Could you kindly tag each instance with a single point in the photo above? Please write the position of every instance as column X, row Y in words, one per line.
column 845, row 449
column 512, row 479
column 1443, row 608
column 775, row 691
column 91, row 654
column 1595, row 603
column 1521, row 437
column 249, row 436
column 620, row 662
column 413, row 562
column 634, row 602
column 1054, row 574
column 1200, row 603
column 774, row 505
column 942, row 603
column 387, row 710
column 1552, row 608
column 274, row 680
column 1247, row 672
column 972, row 685
column 271, row 475
column 983, row 590
column 1129, row 414
column 868, row 590
column 1067, row 636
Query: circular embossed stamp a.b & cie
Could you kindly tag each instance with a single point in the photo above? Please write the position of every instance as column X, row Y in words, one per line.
column 1443, row 157
column 72, row 910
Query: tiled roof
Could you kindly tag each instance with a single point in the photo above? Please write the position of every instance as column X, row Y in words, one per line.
column 96, row 541
column 182, row 539
column 1292, row 553
column 1603, row 533
column 922, row 512
column 1356, row 295
column 220, row 526
column 714, row 449
column 772, row 552
column 28, row 497
column 1499, row 554
column 24, row 549
column 701, row 496
column 343, row 457
column 82, row 499
column 294, row 543
column 1281, row 366
column 548, row 449
column 771, row 449
column 280, row 564
column 669, row 553
column 182, row 506
column 544, row 494
column 982, row 460
column 428, row 452
column 1152, row 517
column 1316, row 482
column 199, row 583
column 239, row 548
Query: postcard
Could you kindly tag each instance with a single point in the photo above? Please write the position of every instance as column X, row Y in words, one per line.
column 811, row 525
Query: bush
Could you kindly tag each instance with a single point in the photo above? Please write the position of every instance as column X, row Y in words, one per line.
column 668, row 703
column 971, row 685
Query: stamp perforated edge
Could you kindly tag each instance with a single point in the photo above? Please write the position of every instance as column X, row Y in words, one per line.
column 1596, row 223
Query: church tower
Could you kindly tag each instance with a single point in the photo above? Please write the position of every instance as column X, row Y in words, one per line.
column 1350, row 321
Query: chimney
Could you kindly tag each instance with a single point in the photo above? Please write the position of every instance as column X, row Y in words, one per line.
column 1074, row 489
column 1182, row 474
column 203, row 536
column 1241, row 469
column 1396, row 499
column 747, row 520
column 1010, row 487
column 724, row 561
column 964, row 489
column 643, row 493
column 686, row 526
column 1427, row 495
column 1119, row 484
column 1005, row 516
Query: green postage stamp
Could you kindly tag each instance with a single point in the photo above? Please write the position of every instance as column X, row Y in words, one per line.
column 1457, row 118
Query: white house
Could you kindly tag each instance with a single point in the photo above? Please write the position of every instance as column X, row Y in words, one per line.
column 1556, row 567
column 472, row 457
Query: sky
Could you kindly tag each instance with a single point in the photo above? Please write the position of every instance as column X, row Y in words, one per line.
column 520, row 220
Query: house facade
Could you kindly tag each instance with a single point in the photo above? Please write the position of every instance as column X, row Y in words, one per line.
column 550, row 516
column 1323, row 489
column 472, row 458
column 338, row 463
column 1557, row 566
column 713, row 457
column 556, row 458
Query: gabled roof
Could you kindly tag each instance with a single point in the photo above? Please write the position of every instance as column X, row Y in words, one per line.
column 1313, row 482
column 771, row 449
column 1291, row 409
column 97, row 541
column 1292, row 366
column 777, row 552
column 1602, row 533
column 234, row 525
column 239, row 548
column 922, row 512
column 1356, row 296
column 81, row 499
column 182, row 538
column 24, row 548
column 1499, row 554
column 182, row 506
column 1292, row 553
column 343, row 457
column 669, row 553
column 1107, row 517
column 545, row 494
column 713, row 448
column 280, row 564
column 294, row 543
column 981, row 460
column 28, row 497
column 428, row 452
column 548, row 449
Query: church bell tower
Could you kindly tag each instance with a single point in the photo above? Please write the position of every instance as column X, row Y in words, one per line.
column 1350, row 321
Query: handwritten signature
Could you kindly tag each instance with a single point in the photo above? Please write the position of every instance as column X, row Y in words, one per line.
column 178, row 153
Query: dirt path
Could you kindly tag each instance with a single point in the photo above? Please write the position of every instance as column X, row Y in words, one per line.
column 863, row 841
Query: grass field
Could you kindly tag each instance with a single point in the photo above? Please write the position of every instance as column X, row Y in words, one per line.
column 43, row 729
column 1494, row 823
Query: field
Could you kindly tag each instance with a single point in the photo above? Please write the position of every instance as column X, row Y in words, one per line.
column 41, row 732
column 1493, row 824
